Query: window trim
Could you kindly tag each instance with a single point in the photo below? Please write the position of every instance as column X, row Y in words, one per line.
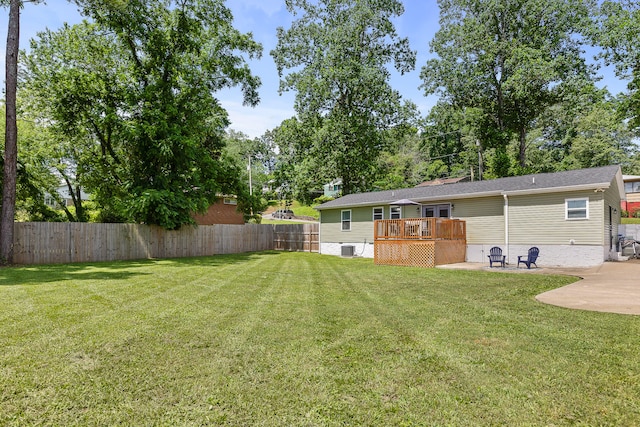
column 585, row 209
column 373, row 213
column 343, row 221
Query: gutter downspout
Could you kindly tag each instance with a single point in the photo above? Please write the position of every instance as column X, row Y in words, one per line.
column 319, row 234
column 506, row 224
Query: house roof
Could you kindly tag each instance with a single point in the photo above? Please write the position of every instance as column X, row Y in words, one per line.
column 441, row 181
column 580, row 179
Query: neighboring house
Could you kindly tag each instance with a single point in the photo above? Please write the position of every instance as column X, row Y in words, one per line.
column 333, row 189
column 223, row 211
column 441, row 181
column 632, row 191
column 571, row 216
column 63, row 192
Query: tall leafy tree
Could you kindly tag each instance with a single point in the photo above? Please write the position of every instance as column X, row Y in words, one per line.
column 335, row 57
column 137, row 87
column 296, row 174
column 34, row 177
column 618, row 33
column 507, row 60
column 602, row 139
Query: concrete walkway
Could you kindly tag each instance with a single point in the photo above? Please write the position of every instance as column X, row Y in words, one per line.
column 613, row 287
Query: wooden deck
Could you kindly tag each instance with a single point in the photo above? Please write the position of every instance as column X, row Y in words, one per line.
column 419, row 242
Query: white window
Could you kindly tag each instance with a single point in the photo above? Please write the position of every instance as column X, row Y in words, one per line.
column 576, row 208
column 346, row 220
column 395, row 213
column 378, row 213
column 230, row 201
column 632, row 187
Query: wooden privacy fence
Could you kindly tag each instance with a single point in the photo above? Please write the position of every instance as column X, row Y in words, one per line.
column 54, row 243
column 296, row 237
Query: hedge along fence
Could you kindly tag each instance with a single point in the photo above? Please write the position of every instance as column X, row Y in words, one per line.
column 56, row 243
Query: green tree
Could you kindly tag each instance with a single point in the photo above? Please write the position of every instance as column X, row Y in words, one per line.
column 296, row 174
column 137, row 88
column 618, row 33
column 450, row 142
column 335, row 56
column 507, row 60
column 601, row 139
column 34, row 177
column 403, row 163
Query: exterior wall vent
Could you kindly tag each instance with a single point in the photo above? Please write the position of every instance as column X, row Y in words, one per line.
column 347, row 250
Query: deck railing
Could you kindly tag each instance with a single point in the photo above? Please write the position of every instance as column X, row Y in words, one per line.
column 420, row 229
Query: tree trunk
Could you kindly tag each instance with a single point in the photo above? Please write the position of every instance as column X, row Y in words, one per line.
column 522, row 155
column 11, row 137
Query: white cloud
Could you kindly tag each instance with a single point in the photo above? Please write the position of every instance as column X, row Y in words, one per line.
column 255, row 121
column 269, row 7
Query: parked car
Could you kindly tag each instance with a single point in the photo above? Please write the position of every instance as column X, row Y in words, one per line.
column 283, row 214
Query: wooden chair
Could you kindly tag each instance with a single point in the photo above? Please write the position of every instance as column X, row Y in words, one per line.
column 530, row 258
column 495, row 256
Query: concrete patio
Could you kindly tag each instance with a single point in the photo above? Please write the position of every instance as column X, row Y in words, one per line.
column 613, row 287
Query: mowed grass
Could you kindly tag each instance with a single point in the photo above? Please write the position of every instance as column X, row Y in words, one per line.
column 295, row 339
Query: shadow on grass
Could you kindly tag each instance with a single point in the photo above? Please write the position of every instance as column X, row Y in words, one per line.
column 114, row 270
column 41, row 274
column 216, row 260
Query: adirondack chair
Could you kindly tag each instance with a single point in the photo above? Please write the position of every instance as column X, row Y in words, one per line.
column 530, row 258
column 495, row 256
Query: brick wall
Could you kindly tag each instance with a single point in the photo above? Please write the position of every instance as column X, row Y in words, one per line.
column 220, row 213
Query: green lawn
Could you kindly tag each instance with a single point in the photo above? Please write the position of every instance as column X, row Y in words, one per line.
column 293, row 339
column 630, row 221
column 282, row 221
column 297, row 208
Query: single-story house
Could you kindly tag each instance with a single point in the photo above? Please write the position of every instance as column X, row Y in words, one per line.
column 632, row 192
column 571, row 216
column 223, row 211
column 441, row 181
column 333, row 188
column 65, row 195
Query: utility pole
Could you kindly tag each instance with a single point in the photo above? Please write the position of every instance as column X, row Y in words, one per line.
column 479, row 159
column 250, row 185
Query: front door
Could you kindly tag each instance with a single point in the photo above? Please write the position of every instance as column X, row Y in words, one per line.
column 436, row 211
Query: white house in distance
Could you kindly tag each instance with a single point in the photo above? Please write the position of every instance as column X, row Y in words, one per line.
column 571, row 216
column 63, row 191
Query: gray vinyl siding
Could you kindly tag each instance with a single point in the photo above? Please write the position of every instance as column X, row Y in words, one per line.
column 361, row 225
column 484, row 217
column 539, row 219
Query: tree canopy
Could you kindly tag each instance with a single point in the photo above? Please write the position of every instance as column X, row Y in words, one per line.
column 507, row 61
column 335, row 57
column 134, row 91
column 125, row 104
column 618, row 33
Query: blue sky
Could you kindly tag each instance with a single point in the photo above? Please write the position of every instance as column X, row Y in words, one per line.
column 419, row 23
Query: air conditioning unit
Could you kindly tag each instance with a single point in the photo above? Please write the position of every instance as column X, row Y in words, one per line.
column 348, row 250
